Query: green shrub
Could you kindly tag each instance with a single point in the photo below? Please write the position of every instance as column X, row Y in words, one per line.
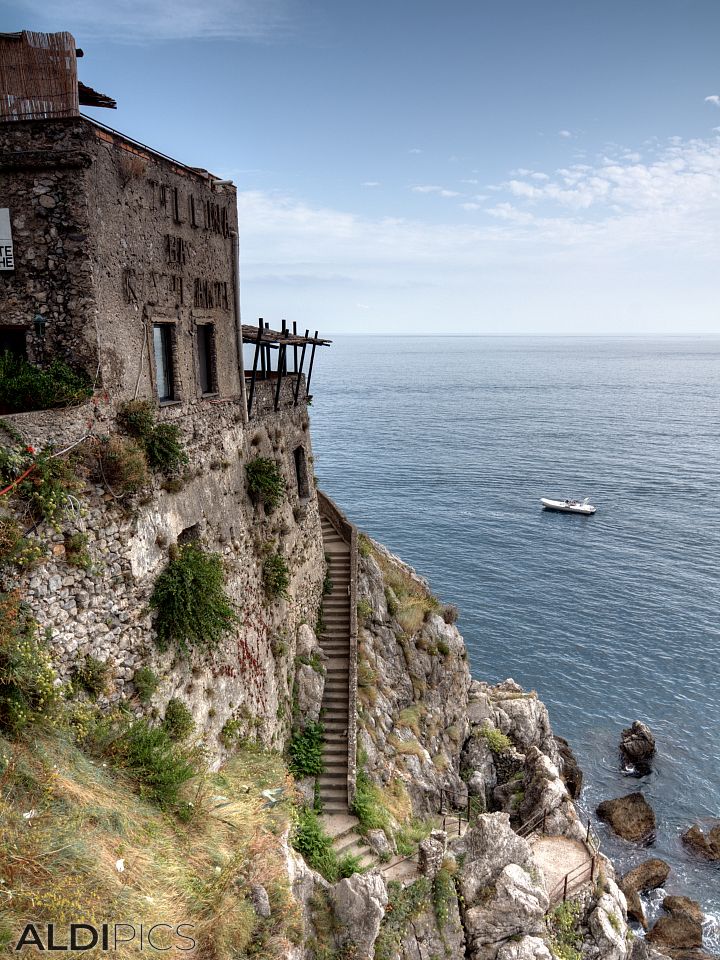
column 92, row 676
column 230, row 734
column 567, row 938
column 315, row 845
column 392, row 601
column 364, row 545
column 276, row 576
column 364, row 609
column 443, row 648
column 47, row 490
column 29, row 692
column 328, row 584
column 404, row 905
column 306, row 751
column 146, row 683
column 189, row 600
column 76, row 553
column 161, row 441
column 443, row 893
column 496, row 740
column 27, row 387
column 150, row 757
column 368, row 805
column 450, row 613
column 122, row 464
column 410, row 835
column 178, row 722
column 15, row 547
column 265, row 482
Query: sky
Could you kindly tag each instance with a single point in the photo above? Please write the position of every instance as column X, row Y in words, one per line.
column 466, row 167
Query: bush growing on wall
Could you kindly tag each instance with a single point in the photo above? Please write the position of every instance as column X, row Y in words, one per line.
column 26, row 387
column 122, row 464
column 306, row 751
column 178, row 722
column 161, row 441
column 189, row 600
column 276, row 576
column 265, row 482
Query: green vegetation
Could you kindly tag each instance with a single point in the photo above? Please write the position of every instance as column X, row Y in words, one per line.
column 276, row 576
column 28, row 690
column 161, row 442
column 230, row 733
column 404, row 905
column 496, row 740
column 566, row 932
column 178, row 722
column 92, row 676
column 443, row 648
column 146, row 683
column 306, row 751
column 443, row 892
column 364, row 610
column 310, row 839
column 409, row 837
column 311, row 660
column 15, row 548
column 27, row 387
column 364, row 545
column 189, row 600
column 265, row 482
column 122, row 465
column 368, row 805
column 450, row 613
column 47, row 490
column 76, row 552
column 412, row 602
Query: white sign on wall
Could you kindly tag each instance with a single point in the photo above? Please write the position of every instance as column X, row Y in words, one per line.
column 7, row 258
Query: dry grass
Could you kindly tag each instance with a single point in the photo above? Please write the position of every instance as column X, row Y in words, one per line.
column 414, row 600
column 411, row 718
column 60, row 863
column 409, row 747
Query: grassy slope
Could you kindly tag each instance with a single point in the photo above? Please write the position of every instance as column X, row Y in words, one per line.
column 59, row 864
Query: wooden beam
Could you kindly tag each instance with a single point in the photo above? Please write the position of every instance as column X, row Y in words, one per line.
column 280, row 371
column 310, row 368
column 258, row 353
column 299, row 372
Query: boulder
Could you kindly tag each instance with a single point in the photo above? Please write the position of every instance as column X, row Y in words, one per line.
column 309, row 687
column 307, row 643
column 681, row 929
column 378, row 842
column 477, row 756
column 523, row 718
column 569, row 768
column 607, row 924
column 260, row 900
column 431, row 854
column 637, row 747
column 527, row 948
column 359, row 905
column 630, row 817
column 646, row 876
column 706, row 845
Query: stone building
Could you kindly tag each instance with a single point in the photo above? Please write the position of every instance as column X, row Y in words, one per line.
column 123, row 264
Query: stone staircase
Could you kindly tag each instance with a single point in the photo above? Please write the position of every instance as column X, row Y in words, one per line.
column 335, row 643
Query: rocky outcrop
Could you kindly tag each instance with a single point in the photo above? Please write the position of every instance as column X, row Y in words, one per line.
column 648, row 875
column 546, row 795
column 607, row 924
column 526, row 948
column 705, row 845
column 637, row 747
column 681, row 930
column 630, row 817
column 359, row 905
column 569, row 768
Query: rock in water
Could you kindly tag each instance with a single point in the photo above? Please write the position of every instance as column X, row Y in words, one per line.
column 630, row 817
column 646, row 876
column 707, row 845
column 569, row 768
column 637, row 747
column 681, row 929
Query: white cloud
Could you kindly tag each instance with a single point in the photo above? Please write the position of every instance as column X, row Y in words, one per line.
column 153, row 20
column 471, row 205
column 472, row 182
column 431, row 188
column 415, row 150
column 370, row 183
column 566, row 134
column 714, row 98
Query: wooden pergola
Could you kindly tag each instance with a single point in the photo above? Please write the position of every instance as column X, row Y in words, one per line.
column 290, row 345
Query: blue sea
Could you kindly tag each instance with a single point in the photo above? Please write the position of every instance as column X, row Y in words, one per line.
column 441, row 447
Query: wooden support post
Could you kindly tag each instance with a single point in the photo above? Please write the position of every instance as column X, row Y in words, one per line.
column 299, row 378
column 459, row 823
column 268, row 356
column 468, row 810
column 263, row 358
column 587, row 835
column 295, row 358
column 592, row 869
column 310, row 368
column 258, row 353
column 565, row 885
column 280, row 368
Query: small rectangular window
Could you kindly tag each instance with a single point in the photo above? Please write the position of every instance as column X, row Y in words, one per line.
column 164, row 372
column 205, row 334
column 301, row 472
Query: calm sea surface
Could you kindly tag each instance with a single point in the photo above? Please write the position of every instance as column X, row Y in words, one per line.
column 442, row 447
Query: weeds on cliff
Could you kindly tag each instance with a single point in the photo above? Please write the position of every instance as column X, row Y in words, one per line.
column 311, row 840
column 122, row 464
column 161, row 442
column 404, row 905
column 16, row 549
column 265, row 482
column 306, row 751
column 29, row 691
column 76, row 552
column 496, row 739
column 48, row 490
column 92, row 676
column 231, row 733
column 409, row 837
column 364, row 545
column 146, row 683
column 443, row 893
column 178, row 722
column 364, row 611
column 189, row 600
column 25, row 387
column 566, row 932
column 276, row 576
column 368, row 805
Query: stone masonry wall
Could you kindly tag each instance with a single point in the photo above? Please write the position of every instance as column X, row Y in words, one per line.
column 103, row 611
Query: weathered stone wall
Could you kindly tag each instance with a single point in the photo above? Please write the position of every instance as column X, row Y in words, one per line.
column 43, row 181
column 103, row 611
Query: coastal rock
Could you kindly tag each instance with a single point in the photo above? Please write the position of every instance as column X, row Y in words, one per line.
column 607, row 923
column 681, row 929
column 646, row 876
column 359, row 905
column 431, row 853
column 642, row 950
column 426, row 939
column 637, row 746
column 477, row 756
column 309, row 687
column 523, row 718
column 569, row 768
column 546, row 797
column 307, row 643
column 527, row 948
column 706, row 845
column 630, row 817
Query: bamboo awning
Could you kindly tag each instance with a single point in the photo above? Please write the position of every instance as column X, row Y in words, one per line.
column 276, row 338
